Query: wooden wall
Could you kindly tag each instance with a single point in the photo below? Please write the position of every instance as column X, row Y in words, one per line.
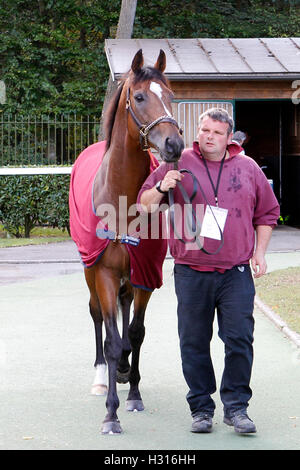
column 247, row 90
column 230, row 90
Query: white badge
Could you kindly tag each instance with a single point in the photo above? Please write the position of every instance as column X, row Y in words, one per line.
column 214, row 220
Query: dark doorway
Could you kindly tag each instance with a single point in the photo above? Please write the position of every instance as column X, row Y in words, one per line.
column 273, row 143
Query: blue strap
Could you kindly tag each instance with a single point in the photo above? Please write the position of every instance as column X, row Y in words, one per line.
column 105, row 234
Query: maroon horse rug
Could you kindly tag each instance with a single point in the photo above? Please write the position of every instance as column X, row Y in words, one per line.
column 146, row 258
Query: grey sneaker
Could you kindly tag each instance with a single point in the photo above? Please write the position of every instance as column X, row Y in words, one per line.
column 241, row 422
column 202, row 422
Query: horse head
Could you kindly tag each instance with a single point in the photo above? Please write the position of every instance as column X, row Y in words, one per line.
column 148, row 101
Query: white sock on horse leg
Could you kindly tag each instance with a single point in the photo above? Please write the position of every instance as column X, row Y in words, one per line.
column 101, row 375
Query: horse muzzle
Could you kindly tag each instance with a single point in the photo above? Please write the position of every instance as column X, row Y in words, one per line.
column 172, row 150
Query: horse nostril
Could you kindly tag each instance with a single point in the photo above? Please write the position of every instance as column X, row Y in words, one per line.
column 174, row 146
column 170, row 145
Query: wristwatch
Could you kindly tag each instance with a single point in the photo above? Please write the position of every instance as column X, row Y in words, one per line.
column 158, row 188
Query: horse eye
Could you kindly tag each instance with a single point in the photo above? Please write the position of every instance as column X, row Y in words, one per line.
column 139, row 98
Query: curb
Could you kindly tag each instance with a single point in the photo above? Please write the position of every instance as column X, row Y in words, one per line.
column 277, row 320
column 39, row 261
column 47, row 261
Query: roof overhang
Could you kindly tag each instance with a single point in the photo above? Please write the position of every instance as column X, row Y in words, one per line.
column 204, row 59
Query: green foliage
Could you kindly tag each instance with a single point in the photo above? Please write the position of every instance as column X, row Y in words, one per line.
column 52, row 56
column 217, row 19
column 26, row 201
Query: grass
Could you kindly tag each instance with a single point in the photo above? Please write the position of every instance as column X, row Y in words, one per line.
column 280, row 290
column 39, row 235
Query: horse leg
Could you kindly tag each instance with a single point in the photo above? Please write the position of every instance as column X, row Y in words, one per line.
column 136, row 335
column 125, row 298
column 99, row 386
column 107, row 287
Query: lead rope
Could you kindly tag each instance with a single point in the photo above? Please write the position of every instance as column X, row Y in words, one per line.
column 192, row 219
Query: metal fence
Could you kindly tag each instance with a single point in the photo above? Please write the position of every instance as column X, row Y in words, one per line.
column 58, row 139
column 187, row 114
column 45, row 139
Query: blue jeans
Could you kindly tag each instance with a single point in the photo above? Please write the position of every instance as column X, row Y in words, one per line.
column 199, row 294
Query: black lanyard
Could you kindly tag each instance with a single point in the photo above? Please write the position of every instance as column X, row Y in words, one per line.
column 215, row 188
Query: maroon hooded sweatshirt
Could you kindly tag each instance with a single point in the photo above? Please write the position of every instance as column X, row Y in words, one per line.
column 243, row 189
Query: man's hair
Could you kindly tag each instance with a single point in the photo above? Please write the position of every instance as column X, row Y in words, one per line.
column 218, row 114
column 239, row 136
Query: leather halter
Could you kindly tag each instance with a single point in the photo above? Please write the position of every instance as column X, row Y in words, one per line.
column 144, row 129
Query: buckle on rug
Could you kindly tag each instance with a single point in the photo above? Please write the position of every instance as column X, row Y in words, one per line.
column 130, row 240
column 106, row 234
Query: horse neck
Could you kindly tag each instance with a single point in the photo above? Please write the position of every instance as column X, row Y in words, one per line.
column 128, row 168
column 125, row 167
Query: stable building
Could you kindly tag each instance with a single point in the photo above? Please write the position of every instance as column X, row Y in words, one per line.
column 257, row 80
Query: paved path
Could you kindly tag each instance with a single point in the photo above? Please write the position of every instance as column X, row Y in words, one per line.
column 35, row 261
column 46, row 355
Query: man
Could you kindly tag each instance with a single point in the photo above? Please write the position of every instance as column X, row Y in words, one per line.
column 243, row 203
column 239, row 138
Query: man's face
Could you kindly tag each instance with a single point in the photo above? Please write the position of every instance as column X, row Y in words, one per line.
column 213, row 138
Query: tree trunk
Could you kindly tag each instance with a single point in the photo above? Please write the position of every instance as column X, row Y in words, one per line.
column 27, row 225
column 124, row 31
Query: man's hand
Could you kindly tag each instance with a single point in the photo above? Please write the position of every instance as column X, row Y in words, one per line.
column 170, row 180
column 258, row 264
column 258, row 261
column 151, row 197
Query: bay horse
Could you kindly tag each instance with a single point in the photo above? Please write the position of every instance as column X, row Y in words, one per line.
column 139, row 117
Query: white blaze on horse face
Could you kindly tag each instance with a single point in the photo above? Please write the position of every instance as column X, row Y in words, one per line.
column 157, row 90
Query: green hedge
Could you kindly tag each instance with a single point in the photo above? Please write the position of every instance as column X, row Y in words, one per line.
column 27, row 201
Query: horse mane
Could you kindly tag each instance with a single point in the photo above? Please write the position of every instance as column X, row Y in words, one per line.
column 111, row 114
column 145, row 73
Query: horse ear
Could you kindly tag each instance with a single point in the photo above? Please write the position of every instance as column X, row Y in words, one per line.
column 161, row 61
column 138, row 61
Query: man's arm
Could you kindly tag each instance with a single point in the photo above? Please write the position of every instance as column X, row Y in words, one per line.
column 258, row 262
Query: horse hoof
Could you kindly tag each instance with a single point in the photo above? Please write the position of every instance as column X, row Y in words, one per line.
column 99, row 390
column 134, row 405
column 123, row 377
column 111, row 427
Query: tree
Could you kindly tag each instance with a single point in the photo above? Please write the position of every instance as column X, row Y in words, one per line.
column 124, row 31
column 51, row 54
